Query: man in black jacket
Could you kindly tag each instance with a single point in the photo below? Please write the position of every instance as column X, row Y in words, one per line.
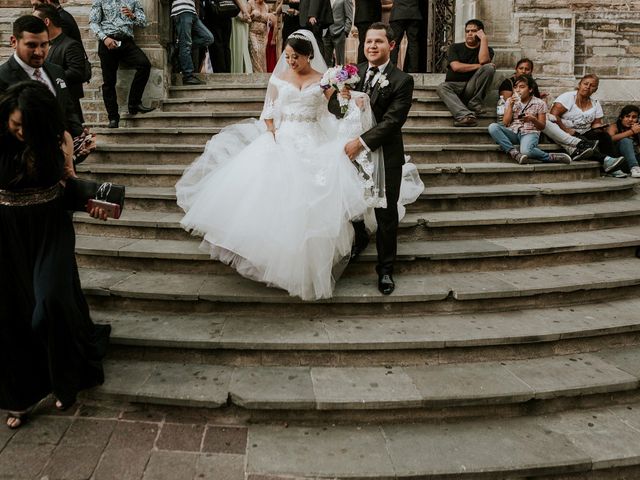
column 316, row 15
column 391, row 92
column 30, row 40
column 67, row 22
column 367, row 12
column 406, row 18
column 65, row 52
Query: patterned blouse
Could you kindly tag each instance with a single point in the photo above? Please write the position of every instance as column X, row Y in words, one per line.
column 533, row 107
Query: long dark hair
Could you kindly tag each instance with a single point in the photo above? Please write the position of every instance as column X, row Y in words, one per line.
column 626, row 110
column 42, row 129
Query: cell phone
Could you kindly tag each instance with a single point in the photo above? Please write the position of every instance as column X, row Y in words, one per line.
column 521, row 115
column 112, row 209
column 602, row 127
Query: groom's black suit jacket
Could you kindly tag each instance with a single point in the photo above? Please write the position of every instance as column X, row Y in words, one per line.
column 390, row 105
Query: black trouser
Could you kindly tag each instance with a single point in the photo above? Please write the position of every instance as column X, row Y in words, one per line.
column 362, row 33
column 387, row 218
column 412, row 57
column 290, row 23
column 132, row 56
column 317, row 33
column 605, row 144
column 220, row 49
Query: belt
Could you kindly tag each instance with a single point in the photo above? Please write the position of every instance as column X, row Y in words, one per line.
column 30, row 196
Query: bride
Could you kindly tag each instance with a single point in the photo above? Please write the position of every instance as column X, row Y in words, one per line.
column 274, row 198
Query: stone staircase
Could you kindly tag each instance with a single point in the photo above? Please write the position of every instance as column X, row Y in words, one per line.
column 510, row 348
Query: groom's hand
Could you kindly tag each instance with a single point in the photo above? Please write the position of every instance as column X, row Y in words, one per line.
column 353, row 148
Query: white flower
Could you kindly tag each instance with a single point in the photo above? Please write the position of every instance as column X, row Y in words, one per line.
column 382, row 80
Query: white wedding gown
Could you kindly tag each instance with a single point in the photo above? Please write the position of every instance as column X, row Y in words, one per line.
column 279, row 210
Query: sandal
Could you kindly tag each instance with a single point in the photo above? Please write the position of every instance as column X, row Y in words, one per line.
column 17, row 419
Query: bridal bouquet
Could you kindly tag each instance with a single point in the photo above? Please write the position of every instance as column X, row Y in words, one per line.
column 339, row 77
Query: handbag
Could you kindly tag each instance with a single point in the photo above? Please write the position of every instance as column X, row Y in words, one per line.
column 78, row 192
column 225, row 8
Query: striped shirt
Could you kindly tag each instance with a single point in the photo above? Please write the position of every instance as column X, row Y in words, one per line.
column 182, row 6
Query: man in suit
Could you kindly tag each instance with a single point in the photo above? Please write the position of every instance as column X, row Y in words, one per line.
column 337, row 33
column 316, row 15
column 367, row 13
column 407, row 18
column 30, row 40
column 67, row 22
column 65, row 52
column 391, row 92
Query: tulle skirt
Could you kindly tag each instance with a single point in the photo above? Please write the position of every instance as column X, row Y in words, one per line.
column 277, row 210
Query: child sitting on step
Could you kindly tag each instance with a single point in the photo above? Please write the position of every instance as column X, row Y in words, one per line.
column 525, row 116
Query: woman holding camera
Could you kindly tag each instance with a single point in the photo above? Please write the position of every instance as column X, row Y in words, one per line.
column 48, row 343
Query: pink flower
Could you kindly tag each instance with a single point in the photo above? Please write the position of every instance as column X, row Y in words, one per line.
column 351, row 69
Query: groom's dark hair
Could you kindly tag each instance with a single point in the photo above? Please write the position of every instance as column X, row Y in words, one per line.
column 383, row 26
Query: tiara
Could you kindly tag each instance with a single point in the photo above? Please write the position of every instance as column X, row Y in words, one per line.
column 300, row 36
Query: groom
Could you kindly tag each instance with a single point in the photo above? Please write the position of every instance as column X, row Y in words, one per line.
column 390, row 91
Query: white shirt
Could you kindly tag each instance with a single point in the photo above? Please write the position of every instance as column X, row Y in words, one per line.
column 380, row 71
column 574, row 117
column 29, row 70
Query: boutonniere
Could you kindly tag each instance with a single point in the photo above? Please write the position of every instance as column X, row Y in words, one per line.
column 61, row 83
column 382, row 80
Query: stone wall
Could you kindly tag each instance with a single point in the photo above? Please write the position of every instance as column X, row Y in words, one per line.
column 574, row 37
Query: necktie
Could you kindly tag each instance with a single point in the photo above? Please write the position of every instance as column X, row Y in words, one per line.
column 37, row 74
column 371, row 73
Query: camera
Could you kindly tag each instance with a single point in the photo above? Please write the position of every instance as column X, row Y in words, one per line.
column 521, row 116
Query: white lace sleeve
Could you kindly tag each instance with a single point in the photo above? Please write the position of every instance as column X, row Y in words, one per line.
column 270, row 111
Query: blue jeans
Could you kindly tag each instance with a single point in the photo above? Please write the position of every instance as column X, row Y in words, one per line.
column 628, row 151
column 190, row 31
column 507, row 139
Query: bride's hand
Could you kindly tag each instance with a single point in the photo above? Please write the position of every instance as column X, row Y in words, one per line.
column 360, row 103
column 345, row 93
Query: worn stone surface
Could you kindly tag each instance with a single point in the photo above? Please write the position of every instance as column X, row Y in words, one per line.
column 575, row 374
column 221, row 466
column 227, row 440
column 331, row 451
column 363, row 388
column 170, row 466
column 272, row 387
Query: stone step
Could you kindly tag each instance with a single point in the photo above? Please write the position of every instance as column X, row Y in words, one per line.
column 445, row 225
column 589, row 444
column 436, row 135
column 232, row 90
column 457, row 197
column 253, row 101
column 341, row 390
column 217, row 119
column 415, row 293
column 433, row 175
column 364, row 341
column 160, row 153
column 435, row 256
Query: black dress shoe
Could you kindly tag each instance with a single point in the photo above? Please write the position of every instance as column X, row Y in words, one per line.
column 133, row 109
column 386, row 285
column 192, row 81
column 114, row 123
column 357, row 249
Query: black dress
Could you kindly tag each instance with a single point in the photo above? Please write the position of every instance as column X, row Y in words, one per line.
column 48, row 343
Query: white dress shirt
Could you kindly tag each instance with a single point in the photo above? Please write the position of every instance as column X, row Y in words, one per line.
column 29, row 70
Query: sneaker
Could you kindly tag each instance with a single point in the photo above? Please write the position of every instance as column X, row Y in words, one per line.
column 635, row 172
column 192, row 81
column 611, row 164
column 521, row 158
column 468, row 121
column 559, row 158
column 584, row 150
column 617, row 174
